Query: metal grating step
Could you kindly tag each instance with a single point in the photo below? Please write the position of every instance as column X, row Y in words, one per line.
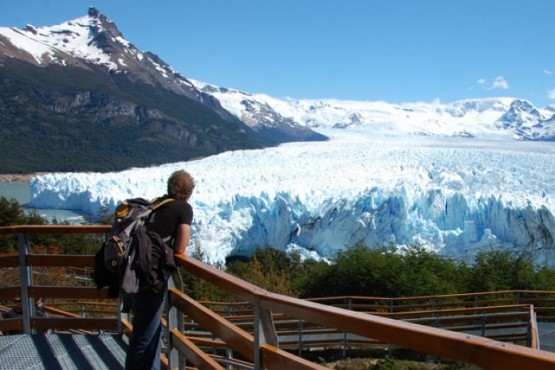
column 62, row 352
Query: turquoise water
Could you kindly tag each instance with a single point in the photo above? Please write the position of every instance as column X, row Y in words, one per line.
column 18, row 190
column 21, row 191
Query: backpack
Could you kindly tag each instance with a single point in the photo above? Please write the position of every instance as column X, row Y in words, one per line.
column 133, row 258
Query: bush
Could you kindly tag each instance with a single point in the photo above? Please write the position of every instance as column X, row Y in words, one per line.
column 12, row 214
column 389, row 272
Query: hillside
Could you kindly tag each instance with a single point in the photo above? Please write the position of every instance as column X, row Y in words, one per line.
column 79, row 97
column 60, row 119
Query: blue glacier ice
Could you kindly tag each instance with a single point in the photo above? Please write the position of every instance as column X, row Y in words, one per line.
column 453, row 195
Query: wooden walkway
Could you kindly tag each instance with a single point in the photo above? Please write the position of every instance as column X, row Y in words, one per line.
column 258, row 346
column 62, row 352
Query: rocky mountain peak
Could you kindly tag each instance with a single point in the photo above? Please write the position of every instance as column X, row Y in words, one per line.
column 93, row 12
column 99, row 22
column 521, row 114
column 84, row 74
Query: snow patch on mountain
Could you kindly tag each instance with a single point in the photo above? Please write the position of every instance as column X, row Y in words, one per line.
column 487, row 117
column 73, row 37
column 465, row 118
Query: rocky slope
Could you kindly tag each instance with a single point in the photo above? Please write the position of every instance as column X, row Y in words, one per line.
column 79, row 96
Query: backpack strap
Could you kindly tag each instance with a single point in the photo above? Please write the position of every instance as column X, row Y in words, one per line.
column 158, row 203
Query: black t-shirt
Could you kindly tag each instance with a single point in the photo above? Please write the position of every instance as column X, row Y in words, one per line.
column 165, row 219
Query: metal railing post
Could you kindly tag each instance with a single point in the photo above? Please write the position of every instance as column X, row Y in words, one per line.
column 483, row 324
column 257, row 339
column 533, row 339
column 228, row 356
column 344, row 340
column 300, row 340
column 121, row 316
column 264, row 333
column 26, row 277
column 175, row 321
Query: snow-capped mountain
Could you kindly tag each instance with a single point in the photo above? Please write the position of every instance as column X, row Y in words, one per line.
column 91, row 39
column 544, row 130
column 84, row 71
column 521, row 114
column 526, row 122
column 466, row 118
column 258, row 114
column 96, row 39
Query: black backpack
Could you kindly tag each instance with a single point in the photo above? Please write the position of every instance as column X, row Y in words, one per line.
column 133, row 258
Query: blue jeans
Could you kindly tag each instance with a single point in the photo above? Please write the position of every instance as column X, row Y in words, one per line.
column 145, row 344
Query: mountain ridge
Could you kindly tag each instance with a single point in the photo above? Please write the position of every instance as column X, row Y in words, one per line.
column 78, row 96
column 110, row 49
column 501, row 116
column 85, row 71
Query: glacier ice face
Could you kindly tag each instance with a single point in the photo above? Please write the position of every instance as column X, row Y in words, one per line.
column 455, row 196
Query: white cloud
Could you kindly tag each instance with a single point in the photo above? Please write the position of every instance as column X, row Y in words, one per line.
column 499, row 83
column 548, row 72
column 551, row 94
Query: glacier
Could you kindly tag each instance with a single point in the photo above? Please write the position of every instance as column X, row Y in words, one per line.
column 452, row 195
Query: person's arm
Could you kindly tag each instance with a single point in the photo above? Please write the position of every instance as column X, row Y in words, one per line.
column 181, row 238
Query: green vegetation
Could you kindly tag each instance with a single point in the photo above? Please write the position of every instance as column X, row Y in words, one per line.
column 383, row 272
column 12, row 214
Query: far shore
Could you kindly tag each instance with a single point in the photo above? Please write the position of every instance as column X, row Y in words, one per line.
column 10, row 177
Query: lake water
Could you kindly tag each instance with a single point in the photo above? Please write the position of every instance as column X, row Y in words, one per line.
column 21, row 191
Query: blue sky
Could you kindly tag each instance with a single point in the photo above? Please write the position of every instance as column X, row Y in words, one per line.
column 392, row 50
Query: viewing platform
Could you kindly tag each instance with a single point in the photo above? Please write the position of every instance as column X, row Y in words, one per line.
column 62, row 351
column 84, row 329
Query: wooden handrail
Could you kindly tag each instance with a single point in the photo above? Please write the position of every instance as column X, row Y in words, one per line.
column 60, row 260
column 471, row 349
column 457, row 346
column 455, row 311
column 197, row 357
column 9, row 260
column 437, row 297
column 236, row 338
column 54, row 229
column 534, row 341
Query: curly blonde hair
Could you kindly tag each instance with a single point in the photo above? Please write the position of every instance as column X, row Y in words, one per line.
column 180, row 185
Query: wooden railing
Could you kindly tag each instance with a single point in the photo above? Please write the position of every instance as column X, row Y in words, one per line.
column 259, row 346
column 543, row 301
column 27, row 292
column 510, row 323
column 507, row 321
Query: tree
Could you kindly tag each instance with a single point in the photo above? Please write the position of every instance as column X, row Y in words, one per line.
column 501, row 270
column 10, row 212
column 426, row 273
column 268, row 268
column 544, row 279
column 355, row 271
